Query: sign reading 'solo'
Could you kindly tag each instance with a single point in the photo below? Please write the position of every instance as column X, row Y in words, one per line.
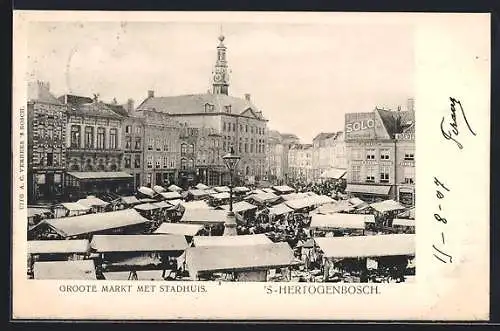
column 360, row 126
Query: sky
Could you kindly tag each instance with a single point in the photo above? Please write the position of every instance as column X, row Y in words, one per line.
column 303, row 77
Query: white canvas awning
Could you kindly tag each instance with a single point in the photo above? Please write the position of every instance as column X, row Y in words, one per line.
column 369, row 189
column 241, row 189
column 138, row 243
column 146, row 191
column 240, row 206
column 197, row 193
column 403, row 222
column 158, row 189
column 194, row 204
column 174, row 188
column 241, row 240
column 264, row 197
column 334, row 173
column 171, row 195
column 64, row 270
column 92, row 201
column 221, row 189
column 339, row 221
column 280, row 209
column 38, row 211
column 367, row 246
column 146, row 206
column 203, row 216
column 57, row 246
column 201, row 186
column 220, row 196
column 130, row 200
column 387, row 205
column 179, row 229
column 283, row 189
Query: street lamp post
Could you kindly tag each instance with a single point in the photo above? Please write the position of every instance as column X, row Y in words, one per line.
column 231, row 160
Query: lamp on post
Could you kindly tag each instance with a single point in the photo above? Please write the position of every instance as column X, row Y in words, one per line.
column 231, row 160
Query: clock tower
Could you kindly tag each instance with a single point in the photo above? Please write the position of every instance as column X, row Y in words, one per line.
column 220, row 77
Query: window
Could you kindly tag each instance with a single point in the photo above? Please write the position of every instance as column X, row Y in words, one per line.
column 89, row 137
column 158, row 162
column 183, row 164
column 158, row 144
column 165, row 145
column 224, row 144
column 151, row 143
column 150, row 161
column 137, row 161
column 251, row 129
column 384, row 174
column 75, row 136
column 251, row 146
column 50, row 133
column 113, row 139
column 385, row 154
column 183, row 149
column 409, row 156
column 228, row 109
column 234, row 127
column 128, row 162
column 128, row 142
column 165, row 162
column 370, row 174
column 128, row 129
column 370, row 154
column 137, row 143
column 209, row 108
column 224, row 126
column 190, row 163
column 409, row 175
column 50, row 159
column 137, row 130
column 241, row 128
column 148, row 180
column 191, row 149
column 246, row 127
column 172, row 164
column 100, row 138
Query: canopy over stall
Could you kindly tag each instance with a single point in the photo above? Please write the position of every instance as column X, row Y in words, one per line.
column 146, row 191
column 241, row 240
column 91, row 223
column 58, row 246
column 201, row 186
column 309, row 201
column 331, row 208
column 387, row 206
column 367, row 246
column 162, row 204
column 333, row 173
column 241, row 189
column 204, row 216
column 264, row 197
column 221, row 189
column 368, row 189
column 194, row 204
column 130, row 200
column 268, row 190
column 283, row 189
column 198, row 193
column 179, row 229
column 240, row 206
column 280, row 209
column 62, row 270
column 174, row 188
column 340, row 221
column 32, row 212
column 410, row 213
column 146, row 200
column 220, row 196
column 403, row 222
column 146, row 207
column 92, row 201
column 138, row 243
column 258, row 191
column 209, row 191
column 158, row 189
column 245, row 258
column 171, row 195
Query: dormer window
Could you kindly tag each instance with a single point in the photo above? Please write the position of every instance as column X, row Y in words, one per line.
column 209, row 108
column 228, row 109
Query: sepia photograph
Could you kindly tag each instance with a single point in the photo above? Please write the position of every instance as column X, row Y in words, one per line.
column 195, row 170
column 175, row 160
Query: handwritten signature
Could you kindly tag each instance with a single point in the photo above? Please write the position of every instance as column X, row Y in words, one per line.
column 450, row 130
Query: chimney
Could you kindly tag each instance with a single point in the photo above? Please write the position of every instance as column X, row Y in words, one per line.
column 151, row 94
column 247, row 97
column 130, row 106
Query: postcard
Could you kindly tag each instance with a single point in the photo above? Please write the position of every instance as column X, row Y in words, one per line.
column 250, row 166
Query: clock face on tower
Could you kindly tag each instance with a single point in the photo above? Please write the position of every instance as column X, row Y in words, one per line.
column 218, row 77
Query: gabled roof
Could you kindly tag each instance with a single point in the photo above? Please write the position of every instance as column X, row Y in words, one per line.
column 119, row 109
column 389, row 121
column 195, row 104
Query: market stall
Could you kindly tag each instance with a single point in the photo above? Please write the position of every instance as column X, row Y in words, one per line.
column 233, row 241
column 65, row 270
column 94, row 203
column 338, row 224
column 283, row 189
column 174, row 188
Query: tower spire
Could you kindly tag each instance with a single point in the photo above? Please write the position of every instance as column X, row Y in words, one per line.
column 220, row 78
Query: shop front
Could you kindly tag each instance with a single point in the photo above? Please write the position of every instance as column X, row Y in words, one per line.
column 45, row 185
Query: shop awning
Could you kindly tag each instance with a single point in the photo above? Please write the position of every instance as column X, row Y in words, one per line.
column 57, row 246
column 146, row 206
column 334, row 173
column 403, row 222
column 131, row 200
column 100, row 175
column 241, row 189
column 283, row 189
column 179, row 229
column 197, row 193
column 241, row 240
column 90, row 223
column 63, row 270
column 280, row 209
column 92, row 201
column 194, row 204
column 220, row 196
column 158, row 189
column 37, row 211
column 221, row 189
column 201, row 186
column 171, row 195
column 369, row 189
column 367, row 246
column 174, row 188
column 203, row 216
column 339, row 221
column 387, row 205
column 138, row 243
column 226, row 258
column 240, row 206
